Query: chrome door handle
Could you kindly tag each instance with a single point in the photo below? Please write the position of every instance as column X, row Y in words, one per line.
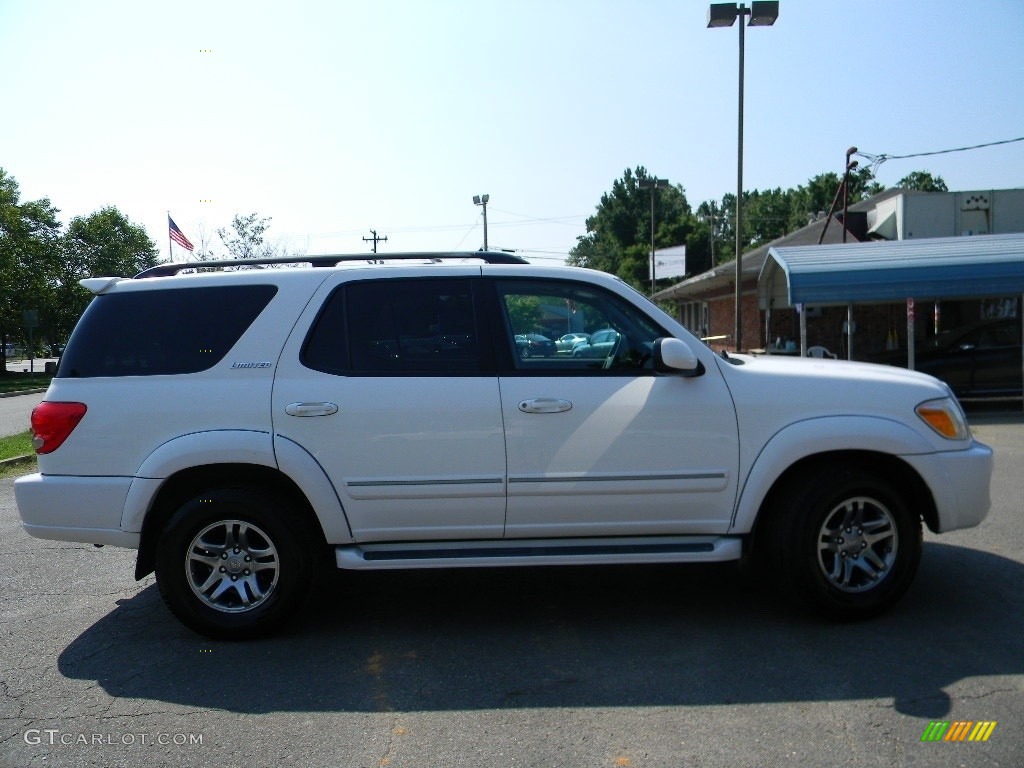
column 310, row 409
column 544, row 405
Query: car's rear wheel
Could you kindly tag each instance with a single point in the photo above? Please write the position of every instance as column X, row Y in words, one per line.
column 846, row 543
column 234, row 563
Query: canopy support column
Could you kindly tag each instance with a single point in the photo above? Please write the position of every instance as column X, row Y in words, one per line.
column 910, row 334
column 803, row 329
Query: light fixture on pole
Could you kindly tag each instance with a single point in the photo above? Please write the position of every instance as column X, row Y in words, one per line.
column 482, row 200
column 652, row 184
column 762, row 14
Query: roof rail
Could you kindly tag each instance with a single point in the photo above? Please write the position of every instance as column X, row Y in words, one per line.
column 329, row 260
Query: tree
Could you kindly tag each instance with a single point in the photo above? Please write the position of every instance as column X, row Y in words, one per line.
column 766, row 216
column 244, row 240
column 922, row 181
column 817, row 196
column 103, row 243
column 203, row 252
column 107, row 243
column 28, row 255
column 618, row 238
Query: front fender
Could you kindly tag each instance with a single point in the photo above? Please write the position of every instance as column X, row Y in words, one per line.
column 817, row 436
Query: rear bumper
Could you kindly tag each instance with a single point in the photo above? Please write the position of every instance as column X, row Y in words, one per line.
column 84, row 509
column 959, row 481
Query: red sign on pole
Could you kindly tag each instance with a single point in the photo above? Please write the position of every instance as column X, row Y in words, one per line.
column 910, row 309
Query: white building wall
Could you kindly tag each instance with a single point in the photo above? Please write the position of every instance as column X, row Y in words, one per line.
column 953, row 214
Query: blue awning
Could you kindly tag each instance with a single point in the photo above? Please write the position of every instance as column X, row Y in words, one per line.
column 935, row 268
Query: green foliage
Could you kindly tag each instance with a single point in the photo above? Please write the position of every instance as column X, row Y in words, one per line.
column 103, row 243
column 40, row 267
column 525, row 314
column 107, row 243
column 774, row 213
column 28, row 254
column 922, row 181
column 618, row 238
column 16, row 445
column 18, row 381
column 618, row 235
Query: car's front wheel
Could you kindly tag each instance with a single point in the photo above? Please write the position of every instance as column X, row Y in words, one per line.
column 233, row 564
column 846, row 543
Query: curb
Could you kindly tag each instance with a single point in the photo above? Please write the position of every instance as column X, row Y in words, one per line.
column 23, row 392
column 16, row 461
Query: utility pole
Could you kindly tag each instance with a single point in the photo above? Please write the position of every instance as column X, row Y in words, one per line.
column 652, row 184
column 711, row 223
column 375, row 239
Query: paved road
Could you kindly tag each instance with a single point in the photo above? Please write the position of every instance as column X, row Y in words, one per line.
column 581, row 667
column 15, row 411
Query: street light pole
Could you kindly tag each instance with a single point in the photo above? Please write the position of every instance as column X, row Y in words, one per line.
column 482, row 200
column 652, row 184
column 762, row 14
column 850, row 165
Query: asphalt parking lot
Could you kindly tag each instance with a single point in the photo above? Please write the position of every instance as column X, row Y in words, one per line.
column 615, row 666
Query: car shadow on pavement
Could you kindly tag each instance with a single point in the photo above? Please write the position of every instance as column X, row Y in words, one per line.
column 571, row 637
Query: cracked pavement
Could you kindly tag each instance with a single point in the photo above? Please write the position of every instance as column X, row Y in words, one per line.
column 619, row 666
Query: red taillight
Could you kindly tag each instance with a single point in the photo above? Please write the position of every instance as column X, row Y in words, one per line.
column 53, row 422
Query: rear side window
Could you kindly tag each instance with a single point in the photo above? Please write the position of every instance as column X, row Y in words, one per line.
column 397, row 327
column 150, row 333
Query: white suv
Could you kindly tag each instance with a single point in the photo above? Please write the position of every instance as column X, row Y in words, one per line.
column 237, row 426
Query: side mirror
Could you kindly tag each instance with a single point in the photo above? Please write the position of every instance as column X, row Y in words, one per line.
column 672, row 355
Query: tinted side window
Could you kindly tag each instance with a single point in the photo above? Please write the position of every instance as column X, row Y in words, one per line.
column 610, row 335
column 149, row 333
column 397, row 326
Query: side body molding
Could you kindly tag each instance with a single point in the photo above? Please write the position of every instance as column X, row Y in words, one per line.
column 816, row 436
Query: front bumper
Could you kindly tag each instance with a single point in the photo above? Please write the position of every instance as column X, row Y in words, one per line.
column 959, row 481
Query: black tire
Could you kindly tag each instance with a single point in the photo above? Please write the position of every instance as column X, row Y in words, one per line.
column 234, row 563
column 845, row 543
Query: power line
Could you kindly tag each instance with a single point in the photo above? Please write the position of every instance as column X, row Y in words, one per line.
column 414, row 229
column 877, row 160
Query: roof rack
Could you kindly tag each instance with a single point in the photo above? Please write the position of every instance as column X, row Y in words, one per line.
column 331, row 260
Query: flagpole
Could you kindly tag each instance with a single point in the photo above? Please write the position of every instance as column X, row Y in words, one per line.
column 170, row 242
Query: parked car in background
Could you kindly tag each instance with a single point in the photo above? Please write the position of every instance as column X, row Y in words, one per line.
column 567, row 342
column 534, row 345
column 978, row 360
column 600, row 344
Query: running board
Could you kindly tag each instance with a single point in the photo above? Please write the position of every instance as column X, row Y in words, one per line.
column 476, row 554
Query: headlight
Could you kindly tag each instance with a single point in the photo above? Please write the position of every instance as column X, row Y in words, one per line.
column 945, row 417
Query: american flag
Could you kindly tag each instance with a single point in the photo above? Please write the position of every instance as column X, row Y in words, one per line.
column 178, row 236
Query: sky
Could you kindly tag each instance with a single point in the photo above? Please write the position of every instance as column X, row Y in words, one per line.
column 338, row 118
